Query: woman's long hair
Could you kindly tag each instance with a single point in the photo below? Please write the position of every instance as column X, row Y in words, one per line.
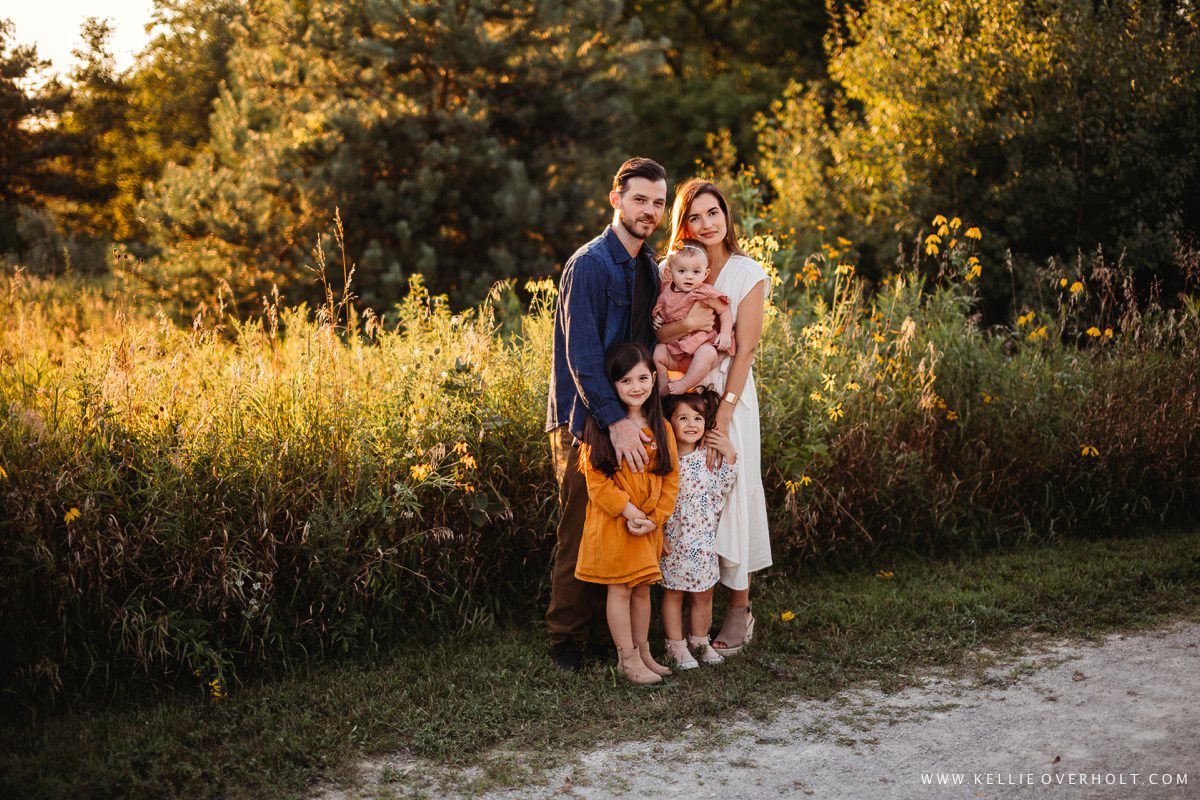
column 685, row 193
column 618, row 360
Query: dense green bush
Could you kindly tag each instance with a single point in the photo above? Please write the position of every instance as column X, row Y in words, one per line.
column 1058, row 126
column 252, row 493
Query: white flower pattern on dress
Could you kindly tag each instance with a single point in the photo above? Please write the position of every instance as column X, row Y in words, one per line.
column 692, row 529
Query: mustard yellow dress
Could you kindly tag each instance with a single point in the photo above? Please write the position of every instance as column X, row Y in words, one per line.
column 609, row 553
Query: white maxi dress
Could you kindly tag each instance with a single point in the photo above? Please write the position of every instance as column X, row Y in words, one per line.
column 743, row 543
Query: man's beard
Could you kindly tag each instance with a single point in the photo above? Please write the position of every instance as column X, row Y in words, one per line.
column 629, row 226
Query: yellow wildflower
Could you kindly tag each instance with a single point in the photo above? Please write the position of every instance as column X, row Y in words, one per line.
column 816, row 396
column 468, row 461
column 828, row 381
column 1093, row 331
column 215, row 692
column 952, row 243
column 973, row 233
column 834, row 253
column 939, row 220
column 884, row 573
column 934, row 238
column 974, row 271
column 805, row 480
column 71, row 515
column 879, row 337
column 987, row 398
column 1076, row 287
column 821, row 228
column 836, row 413
column 461, row 448
column 788, row 616
column 1108, row 333
column 420, row 471
column 844, row 242
column 943, row 231
column 954, row 223
column 1037, row 333
column 1062, row 282
column 3, row 474
column 931, row 249
column 853, row 386
column 952, row 415
column 1089, row 451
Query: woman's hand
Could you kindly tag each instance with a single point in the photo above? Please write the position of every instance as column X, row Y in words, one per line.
column 721, row 428
column 719, row 440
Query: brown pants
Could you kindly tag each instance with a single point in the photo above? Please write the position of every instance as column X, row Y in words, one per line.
column 577, row 608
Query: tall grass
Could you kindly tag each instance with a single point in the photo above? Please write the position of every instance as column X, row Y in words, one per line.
column 180, row 504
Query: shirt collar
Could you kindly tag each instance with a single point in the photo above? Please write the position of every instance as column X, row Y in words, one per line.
column 618, row 251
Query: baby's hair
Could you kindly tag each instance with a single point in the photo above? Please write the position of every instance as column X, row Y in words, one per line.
column 618, row 360
column 688, row 247
column 704, row 400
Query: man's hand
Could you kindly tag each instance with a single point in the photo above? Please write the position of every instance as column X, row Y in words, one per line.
column 700, row 317
column 629, row 443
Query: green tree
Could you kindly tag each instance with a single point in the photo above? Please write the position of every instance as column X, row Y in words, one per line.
column 725, row 62
column 1055, row 126
column 28, row 141
column 467, row 141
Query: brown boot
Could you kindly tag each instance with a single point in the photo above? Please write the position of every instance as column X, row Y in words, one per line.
column 629, row 663
column 648, row 660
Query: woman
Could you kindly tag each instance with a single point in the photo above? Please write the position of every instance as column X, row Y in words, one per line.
column 743, row 544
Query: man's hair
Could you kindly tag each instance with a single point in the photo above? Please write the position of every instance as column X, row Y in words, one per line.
column 638, row 167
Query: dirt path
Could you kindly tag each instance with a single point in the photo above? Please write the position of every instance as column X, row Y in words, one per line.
column 1066, row 721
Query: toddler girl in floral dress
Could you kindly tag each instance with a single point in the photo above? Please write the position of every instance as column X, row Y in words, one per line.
column 690, row 564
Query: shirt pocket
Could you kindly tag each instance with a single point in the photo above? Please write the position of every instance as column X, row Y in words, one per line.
column 617, row 324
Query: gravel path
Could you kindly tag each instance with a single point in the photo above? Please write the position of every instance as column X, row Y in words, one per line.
column 1116, row 720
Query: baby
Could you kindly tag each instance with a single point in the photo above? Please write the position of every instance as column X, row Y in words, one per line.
column 695, row 353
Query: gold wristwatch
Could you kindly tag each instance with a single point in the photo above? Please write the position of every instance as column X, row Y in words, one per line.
column 730, row 398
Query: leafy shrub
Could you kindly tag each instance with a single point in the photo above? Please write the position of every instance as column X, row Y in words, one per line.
column 241, row 494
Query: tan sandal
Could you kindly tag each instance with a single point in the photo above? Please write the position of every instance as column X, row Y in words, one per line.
column 736, row 633
column 643, row 648
column 629, row 664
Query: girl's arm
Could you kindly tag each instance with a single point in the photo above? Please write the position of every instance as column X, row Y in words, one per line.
column 604, row 492
column 749, row 332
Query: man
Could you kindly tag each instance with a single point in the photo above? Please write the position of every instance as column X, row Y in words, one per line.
column 605, row 295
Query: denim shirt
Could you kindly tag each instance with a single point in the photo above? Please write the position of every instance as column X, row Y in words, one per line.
column 593, row 313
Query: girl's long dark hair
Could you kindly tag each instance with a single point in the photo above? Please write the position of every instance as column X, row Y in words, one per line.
column 704, row 400
column 618, row 360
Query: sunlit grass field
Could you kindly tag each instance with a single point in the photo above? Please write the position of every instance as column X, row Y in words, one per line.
column 193, row 504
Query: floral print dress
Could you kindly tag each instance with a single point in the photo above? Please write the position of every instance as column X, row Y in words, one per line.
column 692, row 529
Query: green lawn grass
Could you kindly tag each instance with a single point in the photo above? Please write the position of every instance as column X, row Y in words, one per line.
column 455, row 702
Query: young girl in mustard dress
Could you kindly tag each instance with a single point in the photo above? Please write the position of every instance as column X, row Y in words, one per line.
column 623, row 531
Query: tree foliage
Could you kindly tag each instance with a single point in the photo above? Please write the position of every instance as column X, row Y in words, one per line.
column 27, row 136
column 726, row 61
column 467, row 142
column 1055, row 126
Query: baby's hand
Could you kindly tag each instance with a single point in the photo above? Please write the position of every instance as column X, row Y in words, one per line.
column 666, row 546
column 723, row 341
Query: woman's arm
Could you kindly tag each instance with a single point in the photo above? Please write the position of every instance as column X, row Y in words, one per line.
column 748, row 330
column 699, row 318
